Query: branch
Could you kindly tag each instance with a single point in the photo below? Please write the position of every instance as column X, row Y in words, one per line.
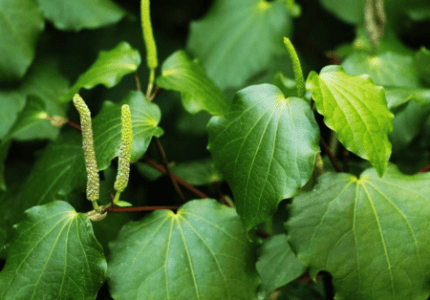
column 330, row 155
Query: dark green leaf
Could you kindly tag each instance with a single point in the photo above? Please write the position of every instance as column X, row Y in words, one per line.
column 11, row 103
column 237, row 39
column 55, row 255
column 265, row 147
column 350, row 11
column 79, row 14
column 199, row 253
column 108, row 69
column 423, row 64
column 370, row 233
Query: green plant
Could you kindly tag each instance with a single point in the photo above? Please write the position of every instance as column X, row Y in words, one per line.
column 355, row 219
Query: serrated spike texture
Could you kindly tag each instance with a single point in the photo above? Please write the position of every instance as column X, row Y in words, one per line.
column 125, row 150
column 93, row 180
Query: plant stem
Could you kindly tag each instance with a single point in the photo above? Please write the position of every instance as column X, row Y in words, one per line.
column 166, row 167
column 139, row 208
column 297, row 69
column 345, row 160
column 330, row 155
column 137, row 82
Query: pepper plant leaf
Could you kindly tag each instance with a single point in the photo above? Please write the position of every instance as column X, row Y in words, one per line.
column 265, row 148
column 370, row 233
column 201, row 252
column 237, row 39
column 356, row 109
column 54, row 253
column 198, row 92
column 108, row 69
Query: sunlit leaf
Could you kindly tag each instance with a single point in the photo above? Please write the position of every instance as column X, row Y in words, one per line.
column 370, row 233
column 199, row 253
column 265, row 147
column 356, row 109
column 54, row 256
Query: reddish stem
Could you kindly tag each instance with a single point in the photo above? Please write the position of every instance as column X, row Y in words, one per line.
column 330, row 155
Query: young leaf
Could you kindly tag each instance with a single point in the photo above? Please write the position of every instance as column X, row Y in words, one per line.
column 108, row 69
column 356, row 109
column 265, row 148
column 199, row 253
column 237, row 39
column 198, row 92
column 370, row 234
column 54, row 256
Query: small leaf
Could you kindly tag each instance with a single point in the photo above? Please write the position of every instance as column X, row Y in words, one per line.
column 356, row 110
column 265, row 148
column 199, row 253
column 80, row 14
column 54, row 256
column 351, row 11
column 370, row 234
column 198, row 92
column 121, row 203
column 108, row 69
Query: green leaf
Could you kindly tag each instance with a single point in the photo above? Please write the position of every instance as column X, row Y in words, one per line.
column 21, row 23
column 11, row 103
column 356, row 109
column 198, row 92
column 423, row 64
column 288, row 87
column 387, row 69
column 108, row 69
column 199, row 253
column 277, row 264
column 4, row 150
column 237, row 39
column 419, row 13
column 398, row 98
column 370, row 233
column 145, row 117
column 350, row 11
column 79, row 14
column 55, row 255
column 265, row 147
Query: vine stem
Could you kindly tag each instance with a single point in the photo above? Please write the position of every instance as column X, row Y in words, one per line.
column 330, row 155
column 166, row 167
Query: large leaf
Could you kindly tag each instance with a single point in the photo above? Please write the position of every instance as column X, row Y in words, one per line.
column 277, row 264
column 80, row 14
column 423, row 64
column 237, row 39
column 108, row 69
column 265, row 147
column 199, row 253
column 198, row 92
column 350, row 11
column 145, row 117
column 387, row 69
column 11, row 103
column 357, row 110
column 370, row 233
column 54, row 255
column 398, row 98
column 20, row 25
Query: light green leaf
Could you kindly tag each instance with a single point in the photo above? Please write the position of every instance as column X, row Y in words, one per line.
column 21, row 23
column 199, row 253
column 55, row 255
column 356, row 109
column 370, row 233
column 108, row 69
column 198, row 92
column 277, row 264
column 79, row 14
column 265, row 147
column 350, row 11
column 423, row 64
column 237, row 39
column 145, row 117
column 387, row 69
column 397, row 98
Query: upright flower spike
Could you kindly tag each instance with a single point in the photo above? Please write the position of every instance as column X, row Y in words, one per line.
column 93, row 180
column 297, row 69
column 124, row 152
column 151, row 48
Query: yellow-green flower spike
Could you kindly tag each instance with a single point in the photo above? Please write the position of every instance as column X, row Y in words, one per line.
column 297, row 69
column 124, row 151
column 93, row 180
column 151, row 49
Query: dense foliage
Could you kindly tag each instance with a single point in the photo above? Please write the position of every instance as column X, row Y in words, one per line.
column 229, row 149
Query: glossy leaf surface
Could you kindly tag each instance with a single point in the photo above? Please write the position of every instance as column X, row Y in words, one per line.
column 198, row 92
column 145, row 117
column 265, row 148
column 108, row 69
column 21, row 22
column 277, row 264
column 199, row 253
column 54, row 256
column 357, row 110
column 238, row 38
column 370, row 233
column 79, row 14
